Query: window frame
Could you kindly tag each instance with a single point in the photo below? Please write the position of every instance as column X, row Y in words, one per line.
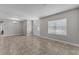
column 63, row 27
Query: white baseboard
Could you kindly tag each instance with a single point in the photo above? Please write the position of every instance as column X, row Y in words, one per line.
column 11, row 35
column 59, row 41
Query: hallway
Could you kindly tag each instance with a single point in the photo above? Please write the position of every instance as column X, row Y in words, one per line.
column 30, row 45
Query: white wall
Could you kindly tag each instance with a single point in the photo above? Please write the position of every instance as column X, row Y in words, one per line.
column 78, row 24
column 25, row 27
column 11, row 28
column 72, row 26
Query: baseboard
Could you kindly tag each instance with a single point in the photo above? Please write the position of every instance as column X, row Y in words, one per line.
column 11, row 35
column 77, row 45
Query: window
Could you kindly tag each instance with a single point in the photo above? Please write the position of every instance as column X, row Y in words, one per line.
column 57, row 27
column 36, row 27
column 29, row 26
column 51, row 27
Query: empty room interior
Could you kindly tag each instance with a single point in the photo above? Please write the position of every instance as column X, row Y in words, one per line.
column 39, row 29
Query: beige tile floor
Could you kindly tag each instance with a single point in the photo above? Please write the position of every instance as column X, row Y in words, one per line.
column 22, row 45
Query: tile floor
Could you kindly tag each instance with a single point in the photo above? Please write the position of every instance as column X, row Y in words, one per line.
column 29, row 45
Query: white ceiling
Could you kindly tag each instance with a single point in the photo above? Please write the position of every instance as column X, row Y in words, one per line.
column 32, row 10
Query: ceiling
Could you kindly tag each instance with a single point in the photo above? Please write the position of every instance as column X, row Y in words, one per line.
column 26, row 11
